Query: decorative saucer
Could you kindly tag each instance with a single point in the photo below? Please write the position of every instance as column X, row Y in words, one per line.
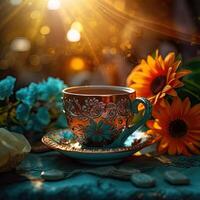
column 65, row 142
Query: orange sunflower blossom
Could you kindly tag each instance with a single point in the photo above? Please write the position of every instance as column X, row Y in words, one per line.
column 157, row 77
column 177, row 127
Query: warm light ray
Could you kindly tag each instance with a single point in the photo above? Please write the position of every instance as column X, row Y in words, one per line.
column 160, row 28
column 78, row 11
column 37, row 24
column 13, row 14
column 86, row 34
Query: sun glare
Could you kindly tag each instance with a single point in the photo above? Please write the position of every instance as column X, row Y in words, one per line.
column 53, row 4
column 73, row 35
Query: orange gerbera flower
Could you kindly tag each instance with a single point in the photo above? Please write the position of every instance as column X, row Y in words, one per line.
column 177, row 126
column 157, row 77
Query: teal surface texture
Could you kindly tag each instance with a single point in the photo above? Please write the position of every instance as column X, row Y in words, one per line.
column 26, row 183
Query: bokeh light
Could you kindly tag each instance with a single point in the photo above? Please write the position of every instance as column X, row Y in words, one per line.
column 45, row 30
column 73, row 35
column 77, row 64
column 77, row 26
column 20, row 44
column 15, row 2
column 53, row 4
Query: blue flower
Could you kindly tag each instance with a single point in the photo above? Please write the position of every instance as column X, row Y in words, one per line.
column 22, row 112
column 6, row 87
column 50, row 88
column 55, row 85
column 28, row 95
column 43, row 116
column 61, row 121
column 34, row 125
column 99, row 132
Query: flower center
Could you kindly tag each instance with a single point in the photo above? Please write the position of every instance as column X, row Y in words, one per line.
column 98, row 132
column 158, row 84
column 178, row 128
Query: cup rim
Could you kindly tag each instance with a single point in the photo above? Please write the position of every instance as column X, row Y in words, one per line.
column 121, row 88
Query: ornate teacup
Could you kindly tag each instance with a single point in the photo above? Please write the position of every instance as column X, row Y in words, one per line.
column 102, row 116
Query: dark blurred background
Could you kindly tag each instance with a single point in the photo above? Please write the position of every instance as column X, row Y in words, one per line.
column 92, row 41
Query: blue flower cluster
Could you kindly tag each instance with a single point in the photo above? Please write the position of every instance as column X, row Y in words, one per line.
column 6, row 87
column 40, row 105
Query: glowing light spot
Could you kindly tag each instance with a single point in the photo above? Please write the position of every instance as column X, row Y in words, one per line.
column 53, row 4
column 77, row 64
column 77, row 26
column 37, row 184
column 138, row 153
column 45, row 30
column 20, row 44
column 35, row 14
column 73, row 35
column 15, row 2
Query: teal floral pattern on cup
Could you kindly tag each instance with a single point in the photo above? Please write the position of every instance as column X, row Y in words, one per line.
column 98, row 132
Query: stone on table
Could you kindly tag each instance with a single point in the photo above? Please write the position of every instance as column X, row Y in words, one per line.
column 176, row 178
column 143, row 180
column 52, row 175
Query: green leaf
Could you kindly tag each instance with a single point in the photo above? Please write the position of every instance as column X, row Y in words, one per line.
column 191, row 82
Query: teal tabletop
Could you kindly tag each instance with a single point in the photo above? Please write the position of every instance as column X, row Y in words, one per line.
column 26, row 181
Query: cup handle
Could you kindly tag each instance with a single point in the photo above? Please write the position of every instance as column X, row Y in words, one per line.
column 128, row 131
column 147, row 112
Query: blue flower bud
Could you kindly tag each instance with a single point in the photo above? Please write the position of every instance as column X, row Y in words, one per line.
column 28, row 94
column 22, row 112
column 6, row 87
column 43, row 116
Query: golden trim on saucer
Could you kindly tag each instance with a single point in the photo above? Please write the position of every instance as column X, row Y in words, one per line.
column 74, row 146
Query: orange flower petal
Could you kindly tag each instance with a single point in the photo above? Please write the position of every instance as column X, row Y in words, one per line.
column 176, row 108
column 167, row 88
column 192, row 147
column 172, row 148
column 195, row 110
column 186, row 152
column 176, row 65
column 169, row 74
column 186, row 106
column 172, row 92
column 179, row 148
column 162, row 146
column 183, row 73
column 169, row 59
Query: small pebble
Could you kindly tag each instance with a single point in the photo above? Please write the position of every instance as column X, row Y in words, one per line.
column 176, row 178
column 52, row 175
column 143, row 180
